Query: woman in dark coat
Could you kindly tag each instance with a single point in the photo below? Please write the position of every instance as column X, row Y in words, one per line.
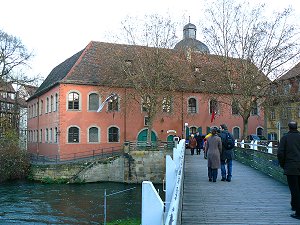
column 214, row 151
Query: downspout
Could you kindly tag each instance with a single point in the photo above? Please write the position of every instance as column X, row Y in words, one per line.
column 125, row 115
column 182, row 123
column 38, row 126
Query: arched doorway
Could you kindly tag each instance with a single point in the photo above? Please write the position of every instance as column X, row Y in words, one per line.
column 142, row 137
column 170, row 138
column 259, row 131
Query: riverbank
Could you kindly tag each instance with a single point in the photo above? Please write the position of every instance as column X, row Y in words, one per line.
column 132, row 167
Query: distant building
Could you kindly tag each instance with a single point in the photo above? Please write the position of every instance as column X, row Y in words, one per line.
column 9, row 114
column 24, row 92
column 13, row 109
column 284, row 103
column 63, row 120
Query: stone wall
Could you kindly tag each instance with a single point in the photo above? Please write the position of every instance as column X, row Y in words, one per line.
column 132, row 167
column 262, row 161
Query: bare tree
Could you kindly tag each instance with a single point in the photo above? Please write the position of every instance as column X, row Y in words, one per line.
column 255, row 50
column 149, row 66
column 13, row 55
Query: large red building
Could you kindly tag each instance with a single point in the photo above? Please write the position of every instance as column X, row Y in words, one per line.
column 63, row 117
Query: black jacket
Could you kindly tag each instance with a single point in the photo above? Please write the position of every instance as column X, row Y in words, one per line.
column 226, row 153
column 288, row 153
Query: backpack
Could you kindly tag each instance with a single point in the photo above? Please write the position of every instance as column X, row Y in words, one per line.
column 228, row 141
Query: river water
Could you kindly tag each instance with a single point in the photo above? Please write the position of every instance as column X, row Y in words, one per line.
column 23, row 202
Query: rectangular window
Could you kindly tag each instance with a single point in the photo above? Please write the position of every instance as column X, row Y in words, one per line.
column 55, row 135
column 167, row 104
column 47, row 135
column 146, row 121
column 50, row 135
column 41, row 136
column 272, row 114
column 56, row 102
column 51, row 103
column 47, row 105
column 235, row 108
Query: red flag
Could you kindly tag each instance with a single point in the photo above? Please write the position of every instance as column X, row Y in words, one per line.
column 213, row 114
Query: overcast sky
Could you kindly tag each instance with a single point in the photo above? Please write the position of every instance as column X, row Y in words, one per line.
column 56, row 29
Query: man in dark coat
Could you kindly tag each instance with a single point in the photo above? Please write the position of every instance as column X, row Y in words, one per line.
column 199, row 143
column 226, row 156
column 288, row 155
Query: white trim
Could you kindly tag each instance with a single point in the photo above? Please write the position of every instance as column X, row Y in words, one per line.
column 107, row 134
column 88, row 101
column 67, row 101
column 67, row 136
column 88, row 135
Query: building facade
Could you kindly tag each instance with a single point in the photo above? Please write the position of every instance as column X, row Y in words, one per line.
column 64, row 117
column 284, row 103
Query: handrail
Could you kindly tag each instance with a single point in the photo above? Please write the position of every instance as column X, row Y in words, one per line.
column 152, row 205
column 57, row 158
column 173, row 217
column 254, row 145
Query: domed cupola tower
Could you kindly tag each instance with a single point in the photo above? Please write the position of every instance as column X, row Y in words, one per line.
column 189, row 41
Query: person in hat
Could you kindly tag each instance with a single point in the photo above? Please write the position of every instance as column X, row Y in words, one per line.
column 288, row 155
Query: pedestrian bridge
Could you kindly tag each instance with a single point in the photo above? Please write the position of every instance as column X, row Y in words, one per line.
column 252, row 197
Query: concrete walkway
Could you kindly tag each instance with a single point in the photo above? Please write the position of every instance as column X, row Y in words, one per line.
column 250, row 198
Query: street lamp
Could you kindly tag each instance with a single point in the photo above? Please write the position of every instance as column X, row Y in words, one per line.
column 185, row 127
column 110, row 98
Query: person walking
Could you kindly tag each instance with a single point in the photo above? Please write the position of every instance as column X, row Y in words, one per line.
column 227, row 153
column 288, row 155
column 214, row 150
column 192, row 144
column 199, row 140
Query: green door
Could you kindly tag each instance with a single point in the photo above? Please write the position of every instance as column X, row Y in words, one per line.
column 187, row 133
column 143, row 136
column 170, row 138
column 199, row 130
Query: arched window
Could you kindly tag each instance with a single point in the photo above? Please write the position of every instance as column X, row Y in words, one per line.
column 93, row 134
column 192, row 105
column 73, row 135
column 56, row 102
column 236, row 133
column 193, row 130
column 235, row 108
column 51, row 103
column 167, row 104
column 41, row 105
column 113, row 134
column 93, row 102
column 259, row 131
column 113, row 104
column 213, row 106
column 47, row 105
column 73, row 101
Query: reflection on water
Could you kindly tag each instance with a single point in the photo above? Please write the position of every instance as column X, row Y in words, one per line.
column 35, row 203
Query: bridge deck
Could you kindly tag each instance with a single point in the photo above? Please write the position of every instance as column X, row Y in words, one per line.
column 250, row 198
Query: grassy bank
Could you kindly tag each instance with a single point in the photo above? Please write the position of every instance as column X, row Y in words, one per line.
column 125, row 222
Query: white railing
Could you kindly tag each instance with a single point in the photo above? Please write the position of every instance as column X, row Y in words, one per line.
column 154, row 212
column 254, row 145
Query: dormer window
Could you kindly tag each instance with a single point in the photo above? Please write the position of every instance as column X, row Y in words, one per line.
column 287, row 88
column 128, row 62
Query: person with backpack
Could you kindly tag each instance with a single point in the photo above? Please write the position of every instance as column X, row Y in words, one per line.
column 227, row 153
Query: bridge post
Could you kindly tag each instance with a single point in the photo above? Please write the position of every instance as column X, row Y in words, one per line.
column 152, row 205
